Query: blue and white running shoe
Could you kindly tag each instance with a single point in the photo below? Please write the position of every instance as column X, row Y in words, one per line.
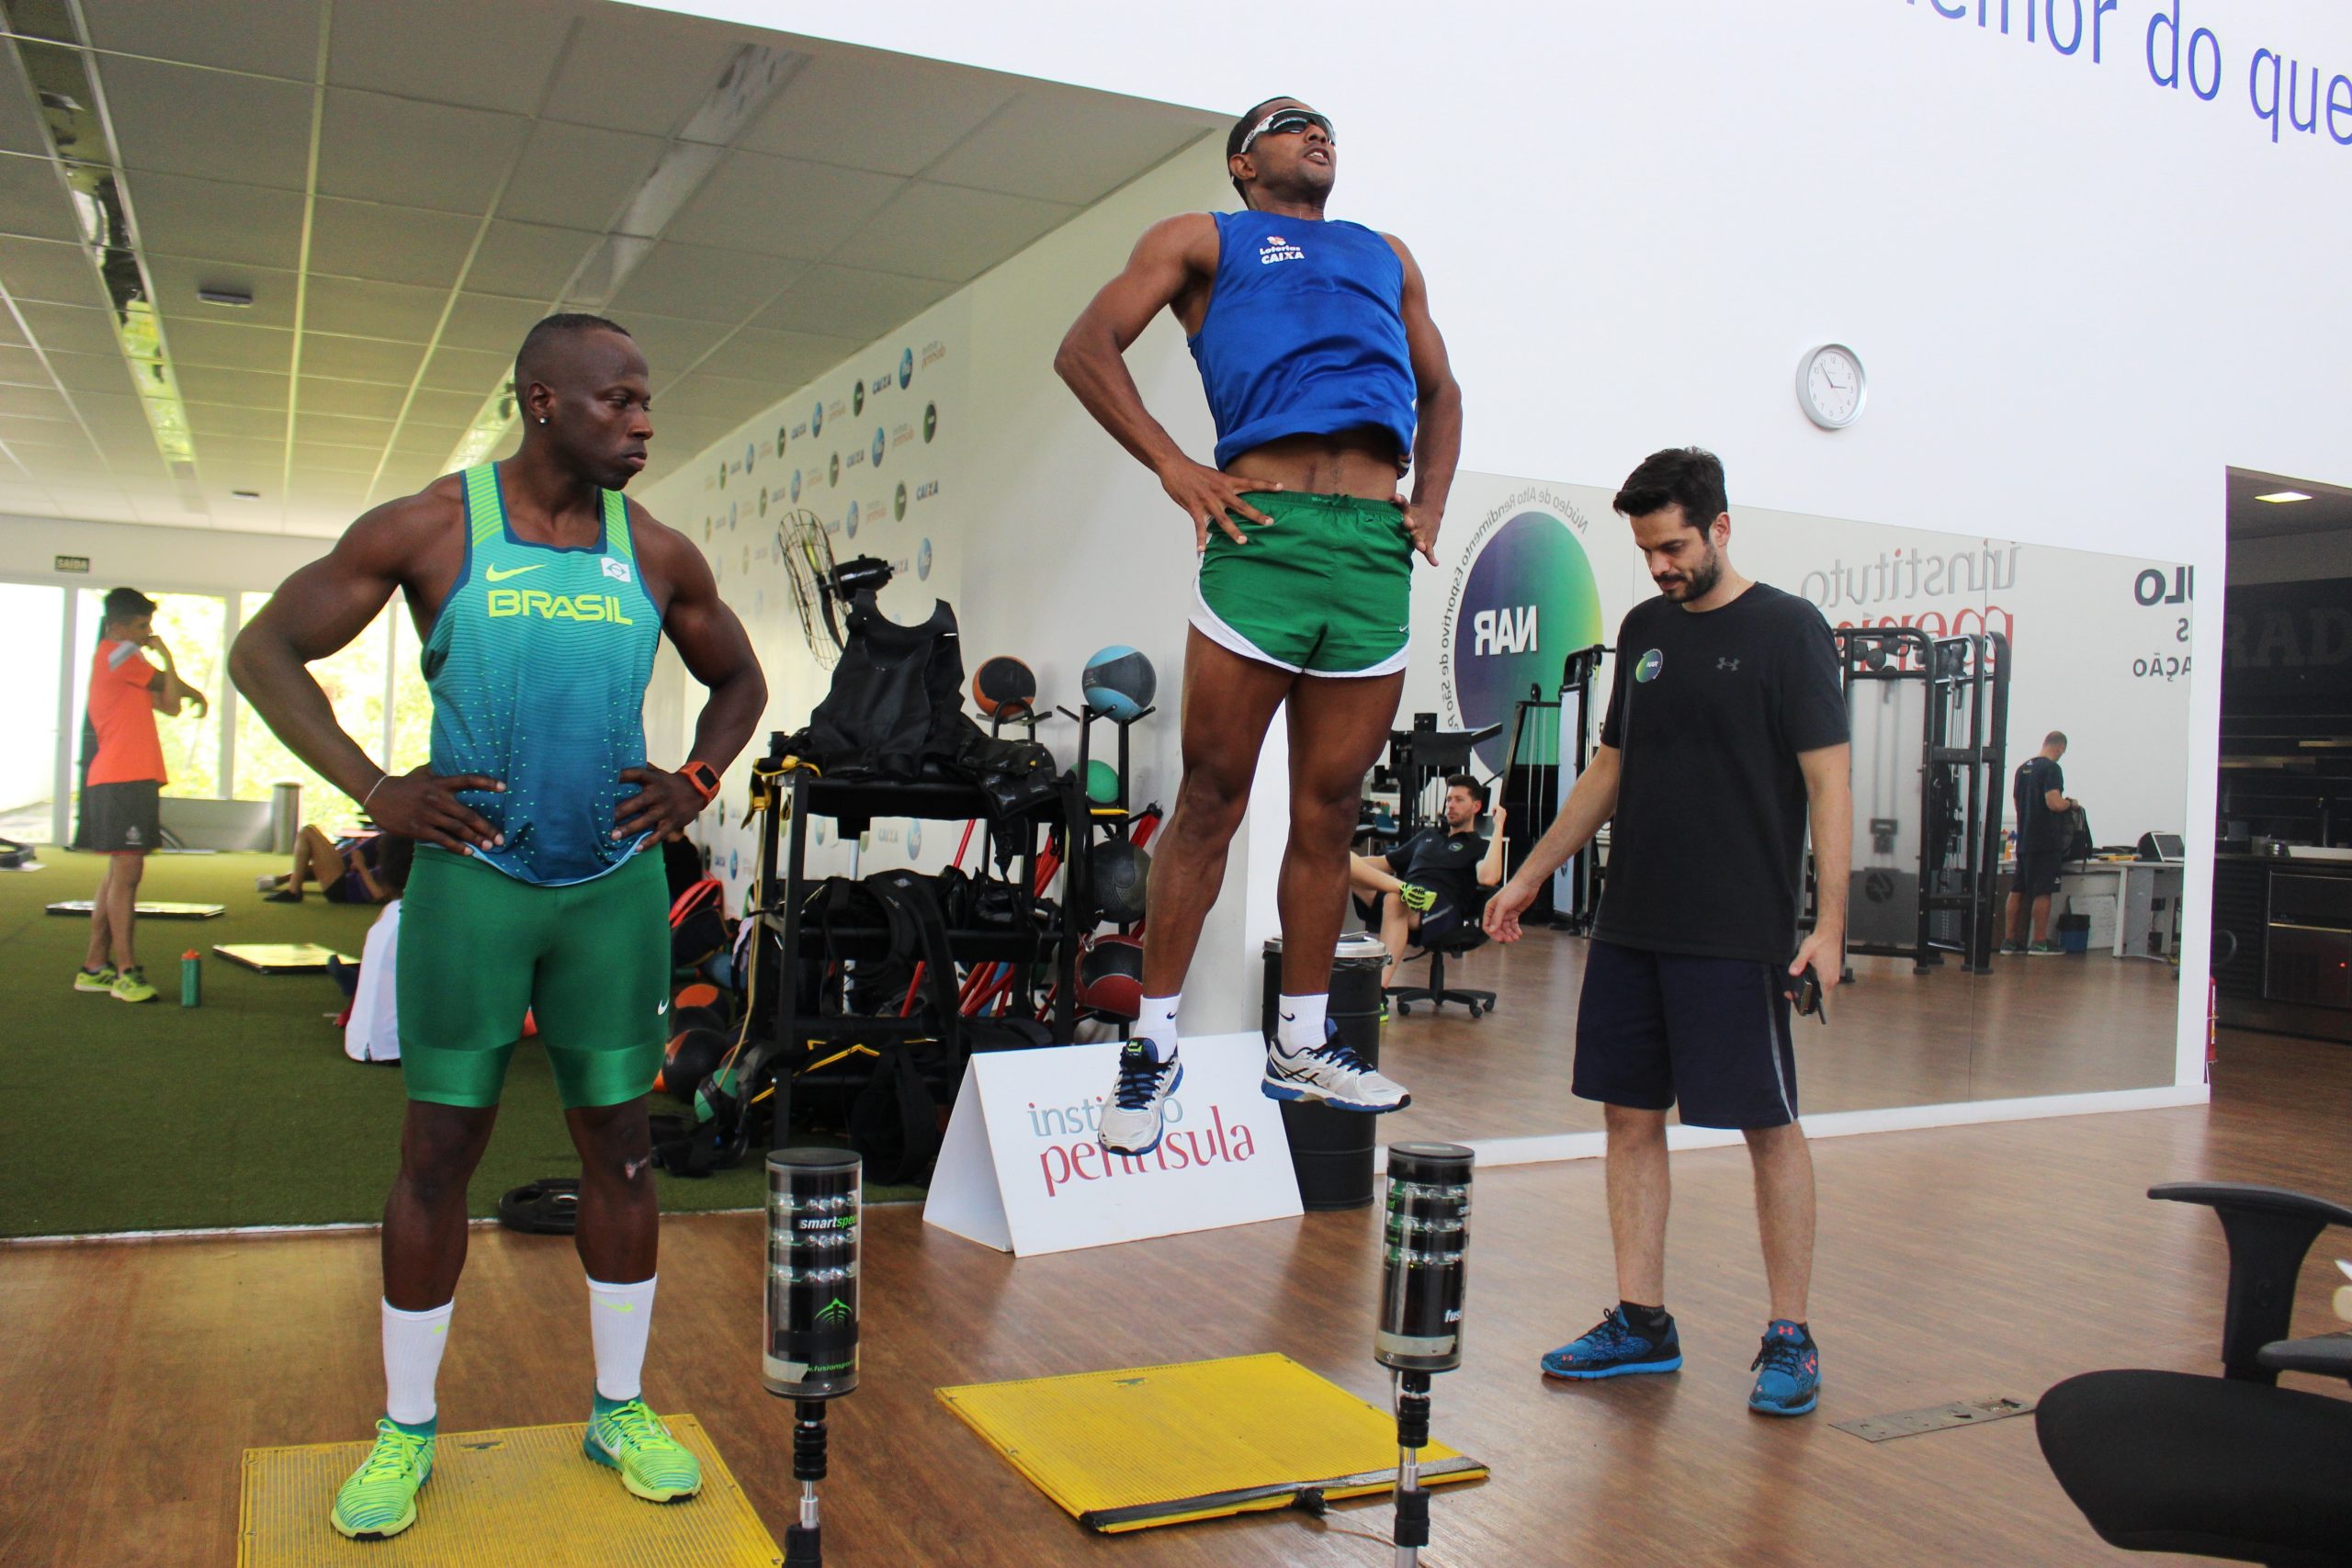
column 1135, row 1117
column 1614, row 1349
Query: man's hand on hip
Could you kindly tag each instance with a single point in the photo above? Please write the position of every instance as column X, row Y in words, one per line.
column 1209, row 495
column 666, row 804
column 424, row 805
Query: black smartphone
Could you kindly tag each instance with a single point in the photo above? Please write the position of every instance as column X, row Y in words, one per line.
column 1808, row 995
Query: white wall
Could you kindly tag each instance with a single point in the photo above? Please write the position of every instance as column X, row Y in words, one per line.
column 2081, row 295
column 156, row 559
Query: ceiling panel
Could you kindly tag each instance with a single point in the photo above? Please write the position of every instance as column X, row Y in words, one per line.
column 468, row 370
column 36, row 403
column 68, row 330
column 364, row 399
column 407, row 478
column 276, row 38
column 782, row 207
column 315, row 458
column 49, row 269
column 698, row 283
column 674, row 62
column 357, row 308
column 528, row 260
column 20, row 125
column 394, row 244
column 241, row 389
column 716, row 396
column 873, row 111
column 446, row 411
column 492, row 322
column 373, row 148
column 215, row 220
column 954, row 233
column 230, row 456
column 779, row 359
column 576, row 176
column 177, row 279
column 1066, row 145
column 339, row 430
column 231, row 345
column 90, row 372
column 32, row 201
column 177, row 119
column 836, row 301
column 422, row 444
column 452, row 51
column 21, row 366
column 221, row 418
column 670, row 344
column 359, row 358
column 22, row 430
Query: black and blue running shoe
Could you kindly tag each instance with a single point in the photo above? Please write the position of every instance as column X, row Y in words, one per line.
column 1614, row 1349
column 1787, row 1369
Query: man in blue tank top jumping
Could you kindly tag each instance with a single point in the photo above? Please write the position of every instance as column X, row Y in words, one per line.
column 1329, row 382
column 540, row 594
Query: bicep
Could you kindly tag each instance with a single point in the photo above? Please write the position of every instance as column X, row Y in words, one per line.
column 319, row 609
column 1164, row 262
column 707, row 634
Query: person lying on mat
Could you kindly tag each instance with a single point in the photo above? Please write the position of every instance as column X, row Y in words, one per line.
column 344, row 869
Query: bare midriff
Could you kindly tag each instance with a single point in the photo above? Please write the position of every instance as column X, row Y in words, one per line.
column 1361, row 463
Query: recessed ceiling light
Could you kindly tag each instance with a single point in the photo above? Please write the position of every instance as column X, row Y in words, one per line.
column 2283, row 496
column 246, row 494
column 240, row 299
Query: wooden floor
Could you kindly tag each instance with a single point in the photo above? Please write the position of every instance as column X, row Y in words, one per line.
column 1955, row 1263
column 2033, row 1026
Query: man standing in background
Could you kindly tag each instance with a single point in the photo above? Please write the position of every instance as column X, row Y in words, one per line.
column 122, row 794
column 2040, row 793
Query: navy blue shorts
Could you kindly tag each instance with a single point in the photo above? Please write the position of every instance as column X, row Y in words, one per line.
column 2038, row 872
column 1657, row 1028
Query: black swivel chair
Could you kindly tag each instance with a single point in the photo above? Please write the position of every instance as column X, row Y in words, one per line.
column 1467, row 937
column 2231, row 1467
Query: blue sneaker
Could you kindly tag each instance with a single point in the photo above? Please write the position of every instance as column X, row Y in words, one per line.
column 1789, row 1382
column 1612, row 1349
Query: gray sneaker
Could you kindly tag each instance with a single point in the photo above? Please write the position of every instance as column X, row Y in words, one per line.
column 1136, row 1114
column 1332, row 1074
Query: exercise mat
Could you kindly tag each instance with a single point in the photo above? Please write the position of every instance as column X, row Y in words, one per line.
column 147, row 911
column 516, row 1495
column 280, row 957
column 1145, row 1446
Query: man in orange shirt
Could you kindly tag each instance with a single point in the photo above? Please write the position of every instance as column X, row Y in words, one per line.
column 119, row 796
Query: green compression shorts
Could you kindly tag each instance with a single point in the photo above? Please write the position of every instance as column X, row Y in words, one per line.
column 479, row 948
column 1325, row 589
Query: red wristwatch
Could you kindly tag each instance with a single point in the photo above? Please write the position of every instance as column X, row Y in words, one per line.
column 704, row 777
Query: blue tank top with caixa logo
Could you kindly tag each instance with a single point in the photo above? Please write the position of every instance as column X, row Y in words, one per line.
column 1304, row 334
column 537, row 663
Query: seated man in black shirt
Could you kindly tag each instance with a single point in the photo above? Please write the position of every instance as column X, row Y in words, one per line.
column 1427, row 885
column 2039, row 793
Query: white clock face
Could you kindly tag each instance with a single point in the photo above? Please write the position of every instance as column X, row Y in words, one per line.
column 1832, row 387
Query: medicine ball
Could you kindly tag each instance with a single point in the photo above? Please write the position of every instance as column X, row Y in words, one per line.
column 1102, row 782
column 704, row 995
column 1005, row 683
column 711, row 1019
column 1119, row 681
column 1122, row 878
column 1110, row 976
column 691, row 1056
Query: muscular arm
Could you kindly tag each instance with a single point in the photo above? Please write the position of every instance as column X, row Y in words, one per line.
column 1437, row 439
column 1829, row 809
column 1175, row 256
column 1590, row 804
column 718, row 652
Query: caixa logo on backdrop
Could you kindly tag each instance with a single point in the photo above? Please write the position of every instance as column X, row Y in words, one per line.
column 1523, row 599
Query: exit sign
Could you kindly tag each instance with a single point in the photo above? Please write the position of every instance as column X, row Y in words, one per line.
column 72, row 563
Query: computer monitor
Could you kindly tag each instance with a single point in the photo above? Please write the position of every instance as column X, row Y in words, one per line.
column 2165, row 848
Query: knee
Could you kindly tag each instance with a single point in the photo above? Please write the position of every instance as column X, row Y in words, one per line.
column 1209, row 807
column 1630, row 1126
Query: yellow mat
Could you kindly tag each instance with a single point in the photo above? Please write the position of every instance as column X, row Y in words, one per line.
column 521, row 1494
column 1125, row 1450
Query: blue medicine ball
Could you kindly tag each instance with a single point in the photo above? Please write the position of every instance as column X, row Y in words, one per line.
column 1119, row 681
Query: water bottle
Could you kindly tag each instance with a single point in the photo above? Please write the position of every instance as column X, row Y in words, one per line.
column 191, row 979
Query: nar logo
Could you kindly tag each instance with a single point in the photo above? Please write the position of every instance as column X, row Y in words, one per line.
column 1503, row 631
column 1277, row 249
column 617, row 570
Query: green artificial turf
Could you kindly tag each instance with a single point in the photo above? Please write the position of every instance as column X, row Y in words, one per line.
column 244, row 1110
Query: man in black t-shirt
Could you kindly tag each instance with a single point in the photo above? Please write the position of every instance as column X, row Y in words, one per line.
column 1426, row 886
column 1726, row 734
column 2039, row 793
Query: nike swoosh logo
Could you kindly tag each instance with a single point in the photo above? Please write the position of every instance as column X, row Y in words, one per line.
column 495, row 575
column 622, row 1306
column 662, row 1008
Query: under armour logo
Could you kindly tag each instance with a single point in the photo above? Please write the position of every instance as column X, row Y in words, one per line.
column 1727, row 664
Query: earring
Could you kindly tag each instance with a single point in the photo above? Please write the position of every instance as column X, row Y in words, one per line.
column 543, row 419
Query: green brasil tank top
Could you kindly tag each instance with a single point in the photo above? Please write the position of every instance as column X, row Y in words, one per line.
column 537, row 663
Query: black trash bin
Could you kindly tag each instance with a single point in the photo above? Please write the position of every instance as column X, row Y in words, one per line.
column 1332, row 1150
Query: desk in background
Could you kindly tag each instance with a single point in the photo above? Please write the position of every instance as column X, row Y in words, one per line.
column 2147, row 902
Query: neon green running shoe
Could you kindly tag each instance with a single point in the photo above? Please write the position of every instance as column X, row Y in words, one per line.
column 97, row 980
column 1419, row 899
column 630, row 1438
column 132, row 985
column 379, row 1499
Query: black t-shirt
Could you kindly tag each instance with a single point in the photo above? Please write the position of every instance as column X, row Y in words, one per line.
column 1707, row 713
column 2039, row 830
column 1446, row 864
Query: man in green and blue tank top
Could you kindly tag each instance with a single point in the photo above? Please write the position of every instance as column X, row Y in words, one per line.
column 1329, row 383
column 541, row 593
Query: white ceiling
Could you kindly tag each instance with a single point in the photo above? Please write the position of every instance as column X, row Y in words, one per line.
column 405, row 186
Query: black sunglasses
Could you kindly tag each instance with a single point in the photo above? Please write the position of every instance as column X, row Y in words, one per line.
column 1287, row 122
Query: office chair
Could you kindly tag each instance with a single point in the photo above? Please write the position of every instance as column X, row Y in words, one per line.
column 1467, row 937
column 2231, row 1467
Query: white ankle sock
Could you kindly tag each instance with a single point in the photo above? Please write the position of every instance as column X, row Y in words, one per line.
column 413, row 1345
column 1301, row 1025
column 1156, row 1027
column 620, row 1317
